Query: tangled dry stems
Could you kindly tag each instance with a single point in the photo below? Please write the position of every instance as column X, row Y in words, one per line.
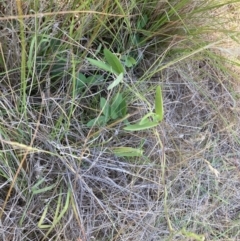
column 117, row 199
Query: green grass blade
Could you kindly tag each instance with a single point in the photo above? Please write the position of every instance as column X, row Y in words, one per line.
column 37, row 184
column 45, row 189
column 40, row 223
column 31, row 55
column 64, row 210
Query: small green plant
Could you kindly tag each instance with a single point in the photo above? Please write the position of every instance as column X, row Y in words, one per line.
column 151, row 119
column 116, row 109
column 114, row 65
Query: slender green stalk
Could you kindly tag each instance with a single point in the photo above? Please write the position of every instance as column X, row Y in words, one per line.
column 23, row 96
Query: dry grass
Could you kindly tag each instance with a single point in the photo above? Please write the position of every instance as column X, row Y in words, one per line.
column 71, row 186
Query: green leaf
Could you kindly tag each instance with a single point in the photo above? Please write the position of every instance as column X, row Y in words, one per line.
column 94, row 78
column 115, row 106
column 123, row 108
column 113, row 61
column 102, row 65
column 102, row 102
column 138, row 127
column 82, row 77
column 144, row 121
column 80, row 81
column 159, row 103
column 104, row 105
column 127, row 151
column 98, row 121
column 116, row 81
column 129, row 61
column 113, row 113
column 145, row 118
